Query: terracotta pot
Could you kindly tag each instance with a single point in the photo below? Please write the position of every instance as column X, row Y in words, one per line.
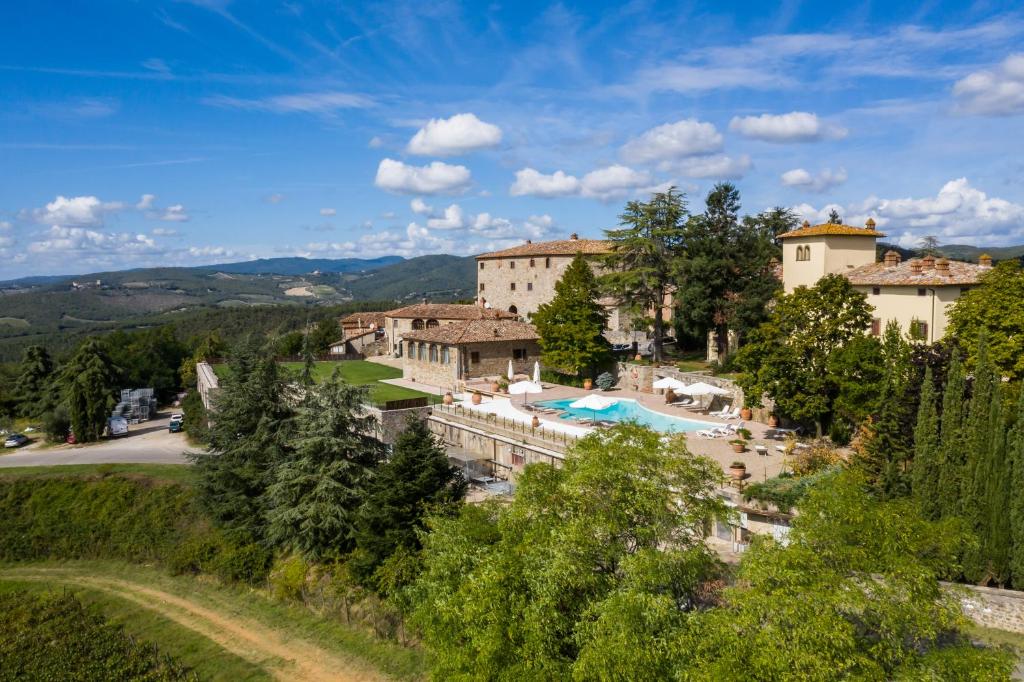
column 738, row 472
column 588, row 384
column 494, row 387
column 670, row 395
column 536, row 421
column 773, row 421
column 738, row 447
column 746, row 413
column 638, row 357
column 476, row 398
column 448, row 398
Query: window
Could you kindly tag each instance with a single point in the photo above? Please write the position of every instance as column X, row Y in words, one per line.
column 432, row 324
column 876, row 326
column 412, row 350
column 474, row 358
column 512, row 286
column 514, row 310
column 394, row 324
column 919, row 330
column 803, row 253
column 547, row 262
column 876, row 291
column 532, row 263
column 481, row 265
column 922, row 292
column 518, row 353
column 481, row 286
column 511, row 265
column 433, row 353
column 446, row 358
column 529, row 286
column 417, row 323
column 421, row 351
column 518, row 459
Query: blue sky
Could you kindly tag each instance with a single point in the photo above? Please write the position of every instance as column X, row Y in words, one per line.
column 149, row 133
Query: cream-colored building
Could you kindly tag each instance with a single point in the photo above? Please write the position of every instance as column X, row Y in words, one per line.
column 399, row 322
column 914, row 293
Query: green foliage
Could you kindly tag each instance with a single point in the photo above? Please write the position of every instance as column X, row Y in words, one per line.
column 150, row 358
column 927, row 465
column 860, row 375
column 416, row 480
column 538, row 589
column 57, row 424
column 786, row 491
column 89, row 382
column 570, row 326
column 854, row 594
column 788, row 357
column 55, row 637
column 288, row 578
column 196, row 421
column 317, row 485
column 605, row 381
column 645, row 253
column 36, row 391
column 552, row 377
column 952, row 443
column 994, row 307
column 206, row 346
column 1015, row 451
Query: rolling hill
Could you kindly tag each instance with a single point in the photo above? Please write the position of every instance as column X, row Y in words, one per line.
column 970, row 253
column 304, row 266
column 439, row 277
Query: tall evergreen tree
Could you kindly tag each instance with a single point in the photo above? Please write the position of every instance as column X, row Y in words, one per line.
column 416, row 481
column 571, row 325
column 833, row 217
column 979, row 444
column 926, row 466
column 645, row 252
column 1015, row 450
column 883, row 456
column 995, row 534
column 35, row 391
column 89, row 382
column 952, row 441
column 308, row 361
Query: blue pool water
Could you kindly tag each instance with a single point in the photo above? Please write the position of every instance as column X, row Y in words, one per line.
column 630, row 410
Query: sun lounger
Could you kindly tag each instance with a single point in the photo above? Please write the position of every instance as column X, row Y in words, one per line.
column 735, row 414
column 722, row 412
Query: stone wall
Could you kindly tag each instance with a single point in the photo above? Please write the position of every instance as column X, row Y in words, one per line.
column 991, row 607
column 206, row 383
column 494, row 357
column 390, row 423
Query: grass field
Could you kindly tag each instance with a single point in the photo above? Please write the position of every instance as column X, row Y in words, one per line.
column 175, row 473
column 358, row 372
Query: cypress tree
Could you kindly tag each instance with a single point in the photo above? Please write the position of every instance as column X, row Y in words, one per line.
column 926, row 467
column 979, row 443
column 1015, row 452
column 884, row 455
column 307, row 359
column 89, row 383
column 34, row 390
column 951, row 439
column 994, row 477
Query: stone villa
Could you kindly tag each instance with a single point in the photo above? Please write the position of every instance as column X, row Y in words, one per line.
column 423, row 316
column 915, row 293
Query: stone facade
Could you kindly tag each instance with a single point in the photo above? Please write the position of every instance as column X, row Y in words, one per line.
column 991, row 607
column 400, row 322
column 391, row 423
column 447, row 365
column 206, row 383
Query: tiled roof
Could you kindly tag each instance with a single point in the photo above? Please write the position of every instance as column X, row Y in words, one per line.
column 449, row 311
column 560, row 247
column 880, row 274
column 363, row 320
column 475, row 331
column 808, row 230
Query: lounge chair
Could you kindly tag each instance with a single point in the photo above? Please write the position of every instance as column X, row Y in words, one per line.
column 722, row 412
column 735, row 414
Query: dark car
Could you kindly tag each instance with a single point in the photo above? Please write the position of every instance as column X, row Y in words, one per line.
column 174, row 426
column 15, row 440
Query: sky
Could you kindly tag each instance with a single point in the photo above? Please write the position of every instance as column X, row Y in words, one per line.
column 141, row 133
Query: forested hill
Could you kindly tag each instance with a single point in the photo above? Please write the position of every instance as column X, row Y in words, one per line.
column 304, row 266
column 439, row 277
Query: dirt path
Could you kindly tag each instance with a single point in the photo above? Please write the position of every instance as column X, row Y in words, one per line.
column 284, row 657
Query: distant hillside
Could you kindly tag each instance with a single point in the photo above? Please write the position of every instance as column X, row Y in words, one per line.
column 304, row 266
column 439, row 277
column 967, row 252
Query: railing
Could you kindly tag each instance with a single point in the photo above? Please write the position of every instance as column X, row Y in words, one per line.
column 510, row 426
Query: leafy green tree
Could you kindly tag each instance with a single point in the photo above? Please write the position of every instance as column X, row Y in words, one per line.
column 645, row 252
column 150, row 358
column 727, row 277
column 853, row 594
column 787, row 357
column 859, row 370
column 36, row 391
column 571, row 325
column 995, row 307
column 208, row 346
column 251, row 433
column 318, row 486
column 89, row 382
column 326, row 332
column 547, row 586
column 927, row 465
column 416, row 480
column 952, row 443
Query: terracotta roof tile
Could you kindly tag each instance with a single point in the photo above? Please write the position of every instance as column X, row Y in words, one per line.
column 879, row 274
column 475, row 331
column 561, row 247
column 449, row 311
column 363, row 320
column 808, row 230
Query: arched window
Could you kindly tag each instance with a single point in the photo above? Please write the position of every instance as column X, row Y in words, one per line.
column 532, row 263
column 514, row 310
column 412, row 349
column 445, row 356
column 421, row 351
column 431, row 324
column 433, row 352
column 417, row 323
column 803, row 253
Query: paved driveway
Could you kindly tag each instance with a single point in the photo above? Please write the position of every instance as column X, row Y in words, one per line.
column 149, row 443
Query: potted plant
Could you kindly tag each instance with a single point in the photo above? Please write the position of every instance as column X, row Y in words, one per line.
column 744, row 434
column 773, row 421
column 503, row 385
column 746, row 413
column 588, row 384
column 738, row 445
column 738, row 470
column 494, row 386
column 448, row 398
column 476, row 398
column 536, row 421
column 670, row 396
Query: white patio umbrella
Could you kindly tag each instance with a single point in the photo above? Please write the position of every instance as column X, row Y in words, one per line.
column 511, row 372
column 536, row 373
column 594, row 402
column 669, row 382
column 700, row 389
column 524, row 387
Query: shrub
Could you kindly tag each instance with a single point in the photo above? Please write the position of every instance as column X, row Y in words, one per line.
column 605, row 381
column 288, row 578
column 246, row 563
column 811, row 459
column 552, row 377
column 57, row 424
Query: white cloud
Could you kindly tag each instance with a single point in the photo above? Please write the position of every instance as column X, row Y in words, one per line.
column 613, row 182
column 534, row 183
column 456, row 135
column 83, row 241
column 174, row 214
column 208, row 251
column 688, row 137
column 163, row 232
column 995, row 92
column 958, row 212
column 375, row 142
column 75, row 211
column 146, row 202
column 436, row 178
column 274, row 198
column 719, row 166
column 308, row 102
column 421, row 207
column 4, row 225
column 796, row 126
column 452, row 219
column 327, row 212
column 803, row 179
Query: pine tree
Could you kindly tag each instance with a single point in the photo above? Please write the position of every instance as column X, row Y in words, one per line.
column 883, row 456
column 89, row 382
column 35, row 391
column 307, row 359
column 952, row 440
column 926, row 467
column 1015, row 452
column 571, row 325
column 415, row 481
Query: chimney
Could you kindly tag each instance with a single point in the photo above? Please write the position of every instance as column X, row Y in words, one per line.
column 870, row 224
column 574, row 236
column 985, row 260
column 529, row 241
column 892, row 259
column 424, row 301
column 942, row 267
column 915, row 267
column 806, row 223
column 928, row 262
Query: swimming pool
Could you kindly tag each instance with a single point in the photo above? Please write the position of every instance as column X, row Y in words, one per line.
column 627, row 409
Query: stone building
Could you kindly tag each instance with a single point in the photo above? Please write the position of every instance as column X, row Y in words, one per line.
column 422, row 316
column 446, row 355
column 915, row 293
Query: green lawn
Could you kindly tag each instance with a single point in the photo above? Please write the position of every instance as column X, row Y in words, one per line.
column 358, row 372
column 176, row 473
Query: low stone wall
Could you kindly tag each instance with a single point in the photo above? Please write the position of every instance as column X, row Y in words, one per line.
column 206, row 383
column 390, row 423
column 991, row 607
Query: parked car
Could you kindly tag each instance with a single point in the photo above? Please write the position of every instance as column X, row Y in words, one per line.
column 177, row 423
column 15, row 440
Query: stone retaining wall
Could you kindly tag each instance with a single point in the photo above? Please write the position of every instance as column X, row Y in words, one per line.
column 390, row 423
column 991, row 607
